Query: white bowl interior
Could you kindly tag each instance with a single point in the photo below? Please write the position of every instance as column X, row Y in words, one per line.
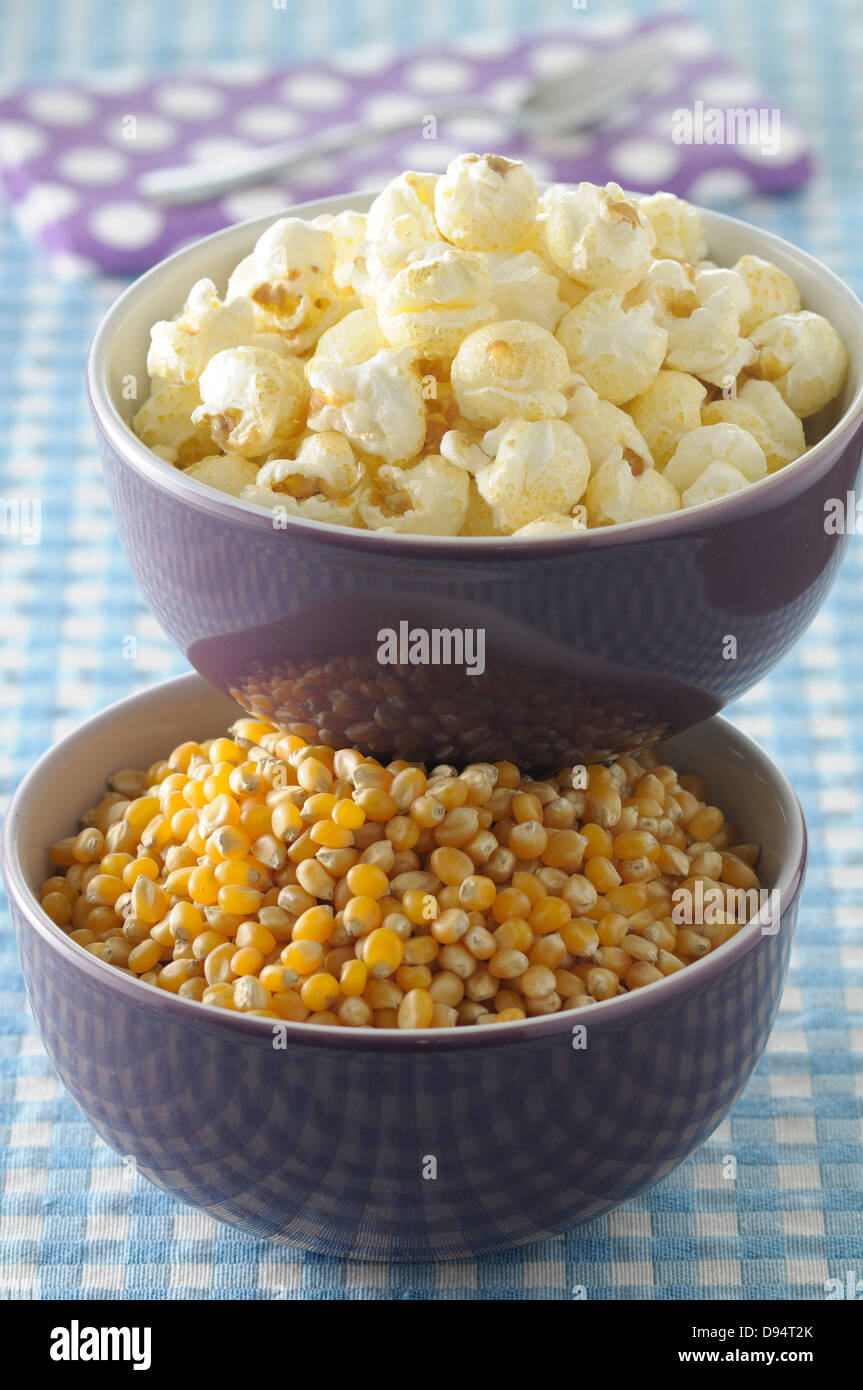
column 161, row 294
column 143, row 728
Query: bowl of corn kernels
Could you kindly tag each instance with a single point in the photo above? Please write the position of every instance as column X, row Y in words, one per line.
column 395, row 1010
column 611, row 432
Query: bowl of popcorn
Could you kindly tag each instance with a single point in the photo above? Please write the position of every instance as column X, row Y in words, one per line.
column 612, row 438
column 394, row 1011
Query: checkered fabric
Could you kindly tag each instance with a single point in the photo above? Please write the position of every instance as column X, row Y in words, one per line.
column 74, row 635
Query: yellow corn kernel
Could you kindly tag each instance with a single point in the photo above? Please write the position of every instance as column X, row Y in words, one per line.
column 222, row 995
column 217, row 965
column 316, row 924
column 377, row 804
column 601, row 873
column 246, row 961
column 240, row 902
column 361, row 916
column 203, row 887
column 176, row 972
column 367, row 881
column 383, row 952
column 207, row 941
column 580, row 936
column 58, row 907
column 320, row 992
column 416, row 1010
column 515, row 934
column 353, row 978
column 140, row 812
column 103, row 890
column 331, row 836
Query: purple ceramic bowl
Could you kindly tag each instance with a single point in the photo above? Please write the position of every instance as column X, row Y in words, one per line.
column 324, row 1142
column 595, row 643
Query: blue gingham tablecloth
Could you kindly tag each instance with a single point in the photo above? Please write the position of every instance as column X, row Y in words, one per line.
column 73, row 1221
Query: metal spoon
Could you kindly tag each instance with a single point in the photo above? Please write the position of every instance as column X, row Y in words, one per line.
column 577, row 98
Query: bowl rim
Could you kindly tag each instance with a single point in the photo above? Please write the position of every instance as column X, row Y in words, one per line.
column 619, row 1011
column 132, row 451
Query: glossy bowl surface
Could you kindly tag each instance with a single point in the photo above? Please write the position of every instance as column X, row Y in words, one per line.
column 594, row 643
column 326, row 1137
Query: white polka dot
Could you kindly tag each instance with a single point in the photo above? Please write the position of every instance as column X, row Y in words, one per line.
column 126, row 225
column 437, row 75
column 727, row 89
column 20, row 142
column 68, row 265
column 214, row 148
column 431, row 156
column 392, row 106
column 487, row 43
column 44, row 204
column 473, row 131
column 508, row 92
column 646, row 161
column 720, row 186
column 553, row 60
column 144, row 132
column 688, row 40
column 268, row 122
column 365, row 61
column 190, row 101
column 239, row 74
column 315, row 91
column 61, row 106
column 624, row 115
column 253, row 202
column 92, row 164
column 783, row 144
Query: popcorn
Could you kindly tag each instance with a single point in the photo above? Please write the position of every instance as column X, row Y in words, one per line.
column 181, row 348
column 623, row 490
column 508, row 369
column 759, row 409
column 226, row 473
column 536, row 467
column 523, row 287
column 430, row 499
column 347, row 230
column 676, row 226
column 802, row 354
column 772, row 292
column 441, row 295
column 726, row 443
column 320, row 483
column 666, row 411
column 354, row 339
column 472, row 359
column 618, row 351
column 289, row 278
column 485, row 203
column 164, row 422
column 556, row 523
column 599, row 237
column 607, row 430
column 407, row 195
column 252, row 400
column 719, row 479
column 377, row 404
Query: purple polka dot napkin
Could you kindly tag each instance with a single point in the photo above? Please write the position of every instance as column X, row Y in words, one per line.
column 71, row 154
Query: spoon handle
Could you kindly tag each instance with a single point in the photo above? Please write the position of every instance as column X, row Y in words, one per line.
column 184, row 184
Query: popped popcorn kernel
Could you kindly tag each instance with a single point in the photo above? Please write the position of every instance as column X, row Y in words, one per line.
column 802, row 354
column 181, row 348
column 719, row 479
column 667, row 410
column 535, row 467
column 607, row 430
column 511, row 368
column 441, row 295
column 429, row 499
column 252, row 400
column 618, row 351
column 759, row 409
column 377, row 404
column 555, row 524
column 623, row 490
column 599, row 237
column 523, row 287
column 225, row 472
column 407, row 195
column 676, row 226
column 289, row 279
column 320, row 483
column 704, row 340
column 165, row 422
column 726, row 443
column 772, row 292
column 352, row 340
column 485, row 202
